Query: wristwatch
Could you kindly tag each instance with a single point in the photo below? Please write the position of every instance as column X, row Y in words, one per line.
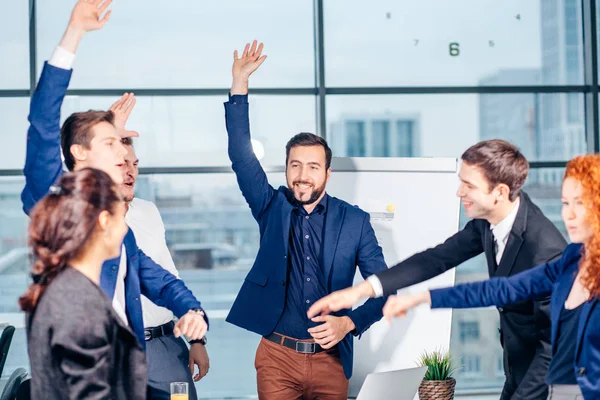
column 201, row 341
column 198, row 311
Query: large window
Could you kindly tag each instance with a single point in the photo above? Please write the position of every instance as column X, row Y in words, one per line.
column 14, row 46
column 191, row 47
column 382, row 78
column 445, row 125
column 13, row 131
column 408, row 43
column 187, row 131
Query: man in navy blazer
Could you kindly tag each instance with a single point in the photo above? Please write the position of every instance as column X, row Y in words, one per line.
column 90, row 139
column 310, row 246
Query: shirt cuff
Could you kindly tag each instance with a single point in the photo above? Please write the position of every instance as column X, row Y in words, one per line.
column 376, row 284
column 238, row 99
column 62, row 58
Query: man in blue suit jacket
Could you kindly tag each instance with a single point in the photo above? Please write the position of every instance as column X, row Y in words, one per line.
column 310, row 246
column 90, row 139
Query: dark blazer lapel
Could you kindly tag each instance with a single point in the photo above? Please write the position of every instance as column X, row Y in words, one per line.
column 515, row 239
column 286, row 217
column 333, row 224
column 488, row 248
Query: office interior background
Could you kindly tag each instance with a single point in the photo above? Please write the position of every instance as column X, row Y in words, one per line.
column 383, row 78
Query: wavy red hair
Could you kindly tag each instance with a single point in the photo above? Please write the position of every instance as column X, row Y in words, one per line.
column 586, row 170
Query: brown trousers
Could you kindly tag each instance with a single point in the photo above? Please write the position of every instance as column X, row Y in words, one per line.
column 284, row 374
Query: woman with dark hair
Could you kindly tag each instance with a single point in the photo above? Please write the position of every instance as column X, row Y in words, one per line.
column 78, row 347
column 573, row 282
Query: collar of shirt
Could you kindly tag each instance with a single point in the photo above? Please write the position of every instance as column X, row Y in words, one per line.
column 321, row 208
column 503, row 228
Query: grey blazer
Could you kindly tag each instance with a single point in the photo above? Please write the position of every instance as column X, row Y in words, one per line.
column 78, row 346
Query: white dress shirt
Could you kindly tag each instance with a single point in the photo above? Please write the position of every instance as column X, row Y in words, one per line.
column 119, row 299
column 501, row 232
column 147, row 225
column 62, row 58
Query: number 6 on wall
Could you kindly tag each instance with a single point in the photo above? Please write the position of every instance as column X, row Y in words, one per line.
column 454, row 49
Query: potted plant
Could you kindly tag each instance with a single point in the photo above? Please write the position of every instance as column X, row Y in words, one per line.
column 438, row 383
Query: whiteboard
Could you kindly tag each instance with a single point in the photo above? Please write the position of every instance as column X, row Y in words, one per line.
column 413, row 206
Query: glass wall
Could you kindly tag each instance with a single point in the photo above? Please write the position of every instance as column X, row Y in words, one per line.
column 381, row 78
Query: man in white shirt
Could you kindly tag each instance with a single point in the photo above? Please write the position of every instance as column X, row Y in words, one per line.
column 169, row 359
column 515, row 236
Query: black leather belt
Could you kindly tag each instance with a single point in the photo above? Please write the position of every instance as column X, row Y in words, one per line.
column 298, row 345
column 158, row 331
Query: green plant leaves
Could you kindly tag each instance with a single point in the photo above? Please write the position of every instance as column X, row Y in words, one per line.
column 439, row 365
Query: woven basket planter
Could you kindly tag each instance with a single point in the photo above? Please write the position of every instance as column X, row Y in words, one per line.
column 437, row 390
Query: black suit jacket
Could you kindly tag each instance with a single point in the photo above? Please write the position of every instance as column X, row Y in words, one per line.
column 525, row 327
column 79, row 348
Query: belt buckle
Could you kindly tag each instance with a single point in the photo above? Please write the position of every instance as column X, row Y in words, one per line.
column 306, row 347
column 147, row 334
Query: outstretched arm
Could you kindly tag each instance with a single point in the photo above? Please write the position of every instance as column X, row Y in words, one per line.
column 531, row 284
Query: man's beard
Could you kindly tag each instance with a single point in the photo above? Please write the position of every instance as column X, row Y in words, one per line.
column 126, row 197
column 316, row 193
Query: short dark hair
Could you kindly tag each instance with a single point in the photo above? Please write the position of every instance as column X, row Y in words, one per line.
column 501, row 162
column 308, row 139
column 77, row 129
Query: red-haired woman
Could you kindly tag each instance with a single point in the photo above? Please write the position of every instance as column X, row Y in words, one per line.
column 78, row 347
column 572, row 281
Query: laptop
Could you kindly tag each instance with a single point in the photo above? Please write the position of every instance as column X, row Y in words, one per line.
column 401, row 384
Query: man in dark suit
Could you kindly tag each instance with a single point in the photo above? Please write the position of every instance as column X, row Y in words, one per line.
column 514, row 235
column 310, row 246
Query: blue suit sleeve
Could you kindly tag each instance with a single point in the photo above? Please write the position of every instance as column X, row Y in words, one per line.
column 163, row 288
column 370, row 261
column 43, row 162
column 250, row 175
column 527, row 285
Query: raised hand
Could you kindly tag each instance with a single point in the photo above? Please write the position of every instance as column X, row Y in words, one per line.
column 245, row 65
column 87, row 15
column 122, row 109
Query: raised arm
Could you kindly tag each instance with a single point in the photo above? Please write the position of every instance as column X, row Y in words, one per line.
column 43, row 162
column 251, row 177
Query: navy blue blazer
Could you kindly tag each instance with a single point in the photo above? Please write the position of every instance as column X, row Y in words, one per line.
column 348, row 241
column 554, row 279
column 43, row 167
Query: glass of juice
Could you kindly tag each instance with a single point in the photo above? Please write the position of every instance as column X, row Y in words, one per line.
column 179, row 391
